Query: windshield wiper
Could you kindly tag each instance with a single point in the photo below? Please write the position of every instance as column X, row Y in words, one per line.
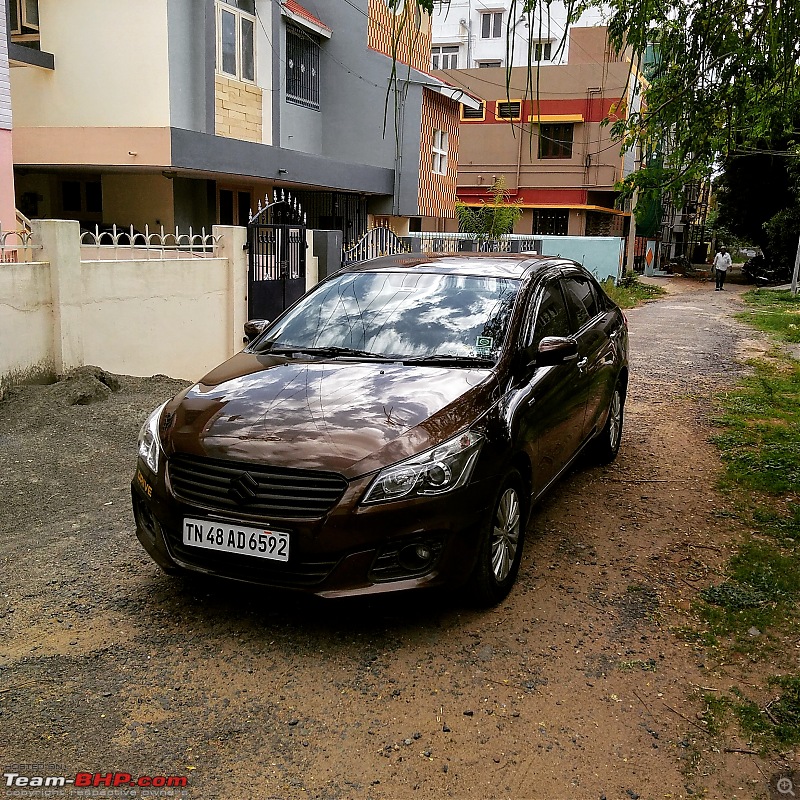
column 456, row 360
column 328, row 351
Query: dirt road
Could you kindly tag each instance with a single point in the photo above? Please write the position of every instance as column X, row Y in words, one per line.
column 575, row 687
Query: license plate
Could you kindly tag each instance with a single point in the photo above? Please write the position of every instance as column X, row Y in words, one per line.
column 227, row 538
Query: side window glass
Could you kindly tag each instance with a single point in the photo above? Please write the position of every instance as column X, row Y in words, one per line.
column 551, row 318
column 582, row 300
column 592, row 301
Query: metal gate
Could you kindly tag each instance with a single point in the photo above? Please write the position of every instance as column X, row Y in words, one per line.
column 276, row 245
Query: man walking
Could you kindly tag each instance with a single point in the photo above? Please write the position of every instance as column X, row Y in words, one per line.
column 722, row 261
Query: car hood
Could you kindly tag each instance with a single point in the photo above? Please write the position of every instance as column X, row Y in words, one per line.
column 349, row 417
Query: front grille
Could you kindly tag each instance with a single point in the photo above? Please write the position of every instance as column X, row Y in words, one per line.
column 254, row 490
column 255, row 570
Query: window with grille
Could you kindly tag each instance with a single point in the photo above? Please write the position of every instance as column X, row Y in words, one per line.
column 508, row 109
column 444, row 57
column 542, row 51
column 489, row 64
column 491, row 25
column 236, row 39
column 555, row 140
column 550, row 222
column 473, row 113
column 302, row 68
column 439, row 152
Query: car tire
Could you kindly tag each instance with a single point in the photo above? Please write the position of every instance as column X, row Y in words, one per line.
column 501, row 544
column 606, row 445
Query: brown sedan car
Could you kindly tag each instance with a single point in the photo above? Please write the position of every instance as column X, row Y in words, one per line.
column 391, row 430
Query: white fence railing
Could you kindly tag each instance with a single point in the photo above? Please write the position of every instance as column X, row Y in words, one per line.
column 128, row 244
column 17, row 246
column 432, row 242
column 376, row 242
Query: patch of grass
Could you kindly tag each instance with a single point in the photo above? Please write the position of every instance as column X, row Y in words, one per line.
column 774, row 312
column 630, row 292
column 760, row 445
column 761, row 441
column 715, row 714
column 777, row 724
column 761, row 591
column 785, row 528
column 688, row 633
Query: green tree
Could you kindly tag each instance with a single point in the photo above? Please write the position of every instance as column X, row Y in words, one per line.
column 750, row 192
column 722, row 79
column 491, row 220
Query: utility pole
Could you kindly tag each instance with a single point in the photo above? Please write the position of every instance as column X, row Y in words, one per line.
column 796, row 269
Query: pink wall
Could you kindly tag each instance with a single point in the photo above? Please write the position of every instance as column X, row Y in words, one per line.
column 7, row 213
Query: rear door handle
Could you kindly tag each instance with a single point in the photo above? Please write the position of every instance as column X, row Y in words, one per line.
column 582, row 363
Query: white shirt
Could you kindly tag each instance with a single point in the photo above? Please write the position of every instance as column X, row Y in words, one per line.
column 722, row 261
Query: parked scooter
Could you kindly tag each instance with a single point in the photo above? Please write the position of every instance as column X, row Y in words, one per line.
column 758, row 271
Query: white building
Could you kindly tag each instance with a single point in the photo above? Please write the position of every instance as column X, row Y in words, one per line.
column 468, row 34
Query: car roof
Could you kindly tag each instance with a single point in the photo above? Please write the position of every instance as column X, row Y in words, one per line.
column 495, row 265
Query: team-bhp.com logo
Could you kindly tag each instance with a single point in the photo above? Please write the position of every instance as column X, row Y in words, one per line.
column 93, row 780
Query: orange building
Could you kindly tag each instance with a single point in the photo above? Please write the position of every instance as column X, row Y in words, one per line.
column 548, row 140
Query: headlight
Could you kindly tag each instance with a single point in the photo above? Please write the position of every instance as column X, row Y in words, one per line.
column 149, row 442
column 443, row 469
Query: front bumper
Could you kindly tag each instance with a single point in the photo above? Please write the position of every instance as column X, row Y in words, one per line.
column 352, row 550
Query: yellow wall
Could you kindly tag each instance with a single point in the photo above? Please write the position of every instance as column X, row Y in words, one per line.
column 138, row 200
column 111, row 66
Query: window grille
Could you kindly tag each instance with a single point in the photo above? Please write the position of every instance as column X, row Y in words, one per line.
column 302, row 69
column 509, row 109
column 472, row 113
column 550, row 222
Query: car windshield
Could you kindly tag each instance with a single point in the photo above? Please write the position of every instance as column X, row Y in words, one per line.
column 402, row 316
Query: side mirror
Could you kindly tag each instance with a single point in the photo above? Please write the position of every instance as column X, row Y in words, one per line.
column 556, row 350
column 254, row 328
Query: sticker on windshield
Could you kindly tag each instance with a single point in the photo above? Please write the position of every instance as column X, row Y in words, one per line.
column 483, row 345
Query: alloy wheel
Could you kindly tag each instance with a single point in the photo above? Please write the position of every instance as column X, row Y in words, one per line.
column 615, row 419
column 505, row 534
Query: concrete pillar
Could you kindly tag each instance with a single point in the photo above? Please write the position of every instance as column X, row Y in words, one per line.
column 413, row 243
column 61, row 247
column 232, row 246
column 328, row 252
column 312, row 261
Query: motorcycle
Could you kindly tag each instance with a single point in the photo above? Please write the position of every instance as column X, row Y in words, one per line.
column 758, row 271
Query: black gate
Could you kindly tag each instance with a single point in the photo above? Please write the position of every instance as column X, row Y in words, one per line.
column 276, row 245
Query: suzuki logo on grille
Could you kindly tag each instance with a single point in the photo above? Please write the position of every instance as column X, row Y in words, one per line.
column 244, row 488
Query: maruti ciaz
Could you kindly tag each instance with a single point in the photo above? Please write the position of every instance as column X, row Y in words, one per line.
column 390, row 431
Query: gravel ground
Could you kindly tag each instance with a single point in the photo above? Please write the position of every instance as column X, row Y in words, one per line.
column 575, row 687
